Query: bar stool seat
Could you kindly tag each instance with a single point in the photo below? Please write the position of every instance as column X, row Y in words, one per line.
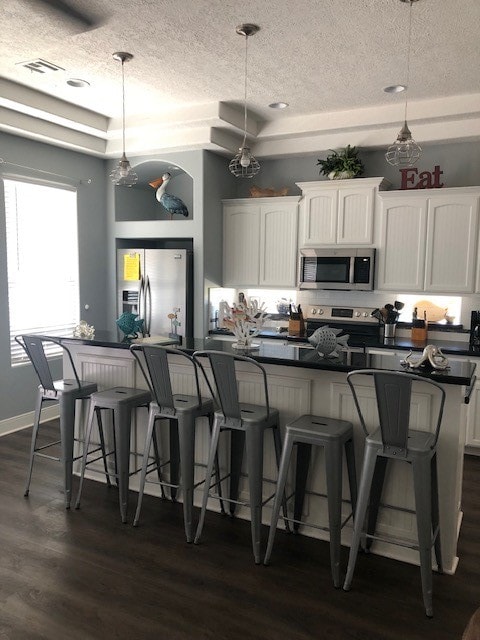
column 122, row 401
column 66, row 392
column 334, row 436
column 395, row 440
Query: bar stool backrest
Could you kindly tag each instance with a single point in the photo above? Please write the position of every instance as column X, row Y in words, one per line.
column 156, row 371
column 34, row 347
column 393, row 395
column 225, row 377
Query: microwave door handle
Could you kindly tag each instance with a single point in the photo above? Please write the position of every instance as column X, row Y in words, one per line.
column 148, row 306
column 351, row 275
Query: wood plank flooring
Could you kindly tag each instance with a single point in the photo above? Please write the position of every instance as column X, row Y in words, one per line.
column 82, row 575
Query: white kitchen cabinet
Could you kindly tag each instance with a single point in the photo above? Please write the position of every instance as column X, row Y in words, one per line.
column 338, row 212
column 473, row 421
column 428, row 240
column 260, row 242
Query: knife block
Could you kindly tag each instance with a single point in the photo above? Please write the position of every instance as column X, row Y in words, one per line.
column 296, row 327
column 419, row 331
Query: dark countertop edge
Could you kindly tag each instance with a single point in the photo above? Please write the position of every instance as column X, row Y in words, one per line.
column 322, row 364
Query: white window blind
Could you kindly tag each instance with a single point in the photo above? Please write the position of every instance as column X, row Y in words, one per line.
column 42, row 254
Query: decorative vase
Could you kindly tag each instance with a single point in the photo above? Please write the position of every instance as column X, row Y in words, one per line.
column 341, row 175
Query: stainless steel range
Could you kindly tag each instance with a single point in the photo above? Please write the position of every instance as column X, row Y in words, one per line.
column 356, row 321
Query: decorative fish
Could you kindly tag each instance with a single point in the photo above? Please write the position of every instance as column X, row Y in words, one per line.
column 130, row 324
column 326, row 341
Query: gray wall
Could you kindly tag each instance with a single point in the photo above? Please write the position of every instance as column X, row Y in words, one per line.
column 459, row 162
column 17, row 384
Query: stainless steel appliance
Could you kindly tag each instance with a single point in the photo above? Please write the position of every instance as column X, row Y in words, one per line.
column 475, row 330
column 344, row 269
column 364, row 331
column 161, row 285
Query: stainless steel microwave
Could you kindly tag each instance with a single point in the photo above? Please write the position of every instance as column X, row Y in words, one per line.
column 344, row 269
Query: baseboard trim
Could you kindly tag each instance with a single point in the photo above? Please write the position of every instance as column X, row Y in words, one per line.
column 25, row 420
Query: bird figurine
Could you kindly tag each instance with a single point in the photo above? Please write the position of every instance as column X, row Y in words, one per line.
column 171, row 203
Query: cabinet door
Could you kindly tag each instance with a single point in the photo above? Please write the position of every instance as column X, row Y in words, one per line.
column 278, row 245
column 451, row 244
column 401, row 260
column 241, row 243
column 473, row 421
column 355, row 216
column 319, row 218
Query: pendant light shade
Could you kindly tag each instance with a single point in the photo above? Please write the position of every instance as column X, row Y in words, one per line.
column 244, row 165
column 405, row 152
column 123, row 175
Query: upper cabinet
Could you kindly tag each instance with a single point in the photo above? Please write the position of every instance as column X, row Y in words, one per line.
column 338, row 212
column 428, row 240
column 260, row 242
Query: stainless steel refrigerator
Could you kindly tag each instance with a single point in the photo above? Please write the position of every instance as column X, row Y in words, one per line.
column 156, row 284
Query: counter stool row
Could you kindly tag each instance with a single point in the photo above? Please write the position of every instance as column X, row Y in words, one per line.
column 247, row 424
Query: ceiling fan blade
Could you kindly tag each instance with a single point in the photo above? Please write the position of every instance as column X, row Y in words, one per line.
column 72, row 13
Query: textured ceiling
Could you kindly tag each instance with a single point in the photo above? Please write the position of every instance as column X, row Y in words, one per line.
column 320, row 56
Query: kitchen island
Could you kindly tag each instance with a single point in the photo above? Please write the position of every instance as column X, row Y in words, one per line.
column 300, row 381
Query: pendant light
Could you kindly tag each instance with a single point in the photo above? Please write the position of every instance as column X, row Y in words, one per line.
column 123, row 175
column 244, row 165
column 405, row 151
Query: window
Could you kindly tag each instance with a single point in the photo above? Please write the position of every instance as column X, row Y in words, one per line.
column 42, row 254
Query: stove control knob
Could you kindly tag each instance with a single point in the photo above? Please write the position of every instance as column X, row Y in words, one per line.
column 357, row 314
column 320, row 312
column 365, row 314
column 314, row 312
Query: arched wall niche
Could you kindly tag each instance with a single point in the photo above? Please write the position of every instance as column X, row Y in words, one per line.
column 139, row 202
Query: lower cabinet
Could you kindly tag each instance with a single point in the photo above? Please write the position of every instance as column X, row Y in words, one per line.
column 473, row 420
column 260, row 242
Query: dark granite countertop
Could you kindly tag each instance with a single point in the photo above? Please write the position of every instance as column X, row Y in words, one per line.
column 460, row 372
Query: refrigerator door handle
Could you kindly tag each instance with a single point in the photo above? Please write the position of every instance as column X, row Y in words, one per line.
column 148, row 306
column 141, row 298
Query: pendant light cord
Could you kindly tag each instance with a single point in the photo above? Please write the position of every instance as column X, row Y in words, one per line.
column 123, row 106
column 407, row 81
column 245, row 95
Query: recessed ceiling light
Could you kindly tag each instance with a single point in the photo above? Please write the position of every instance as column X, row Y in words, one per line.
column 78, row 83
column 395, row 88
column 278, row 105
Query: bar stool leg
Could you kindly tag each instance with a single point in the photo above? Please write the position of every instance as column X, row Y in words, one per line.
column 186, row 436
column 101, row 436
column 36, row 424
column 333, row 467
column 208, row 476
column 254, row 448
column 375, row 497
column 435, row 513
column 237, row 447
column 217, row 467
column 122, row 417
column 67, row 423
column 156, row 453
column 422, row 488
column 143, row 475
column 277, row 440
column 279, row 493
column 304, row 452
column 368, row 468
column 174, row 459
column 88, row 431
column 352, row 473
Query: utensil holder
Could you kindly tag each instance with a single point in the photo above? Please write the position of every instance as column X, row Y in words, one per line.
column 296, row 327
column 389, row 330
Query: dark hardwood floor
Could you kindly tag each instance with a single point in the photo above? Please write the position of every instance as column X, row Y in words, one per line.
column 83, row 575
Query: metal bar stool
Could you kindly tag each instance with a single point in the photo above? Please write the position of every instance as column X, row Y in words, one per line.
column 394, row 440
column 334, row 436
column 122, row 401
column 66, row 392
column 247, row 423
column 181, row 411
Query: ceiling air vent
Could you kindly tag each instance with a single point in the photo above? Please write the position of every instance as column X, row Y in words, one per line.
column 40, row 66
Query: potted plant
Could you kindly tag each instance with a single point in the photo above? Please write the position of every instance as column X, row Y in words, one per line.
column 342, row 164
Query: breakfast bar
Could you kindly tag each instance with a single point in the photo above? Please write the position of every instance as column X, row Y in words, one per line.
column 302, row 381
